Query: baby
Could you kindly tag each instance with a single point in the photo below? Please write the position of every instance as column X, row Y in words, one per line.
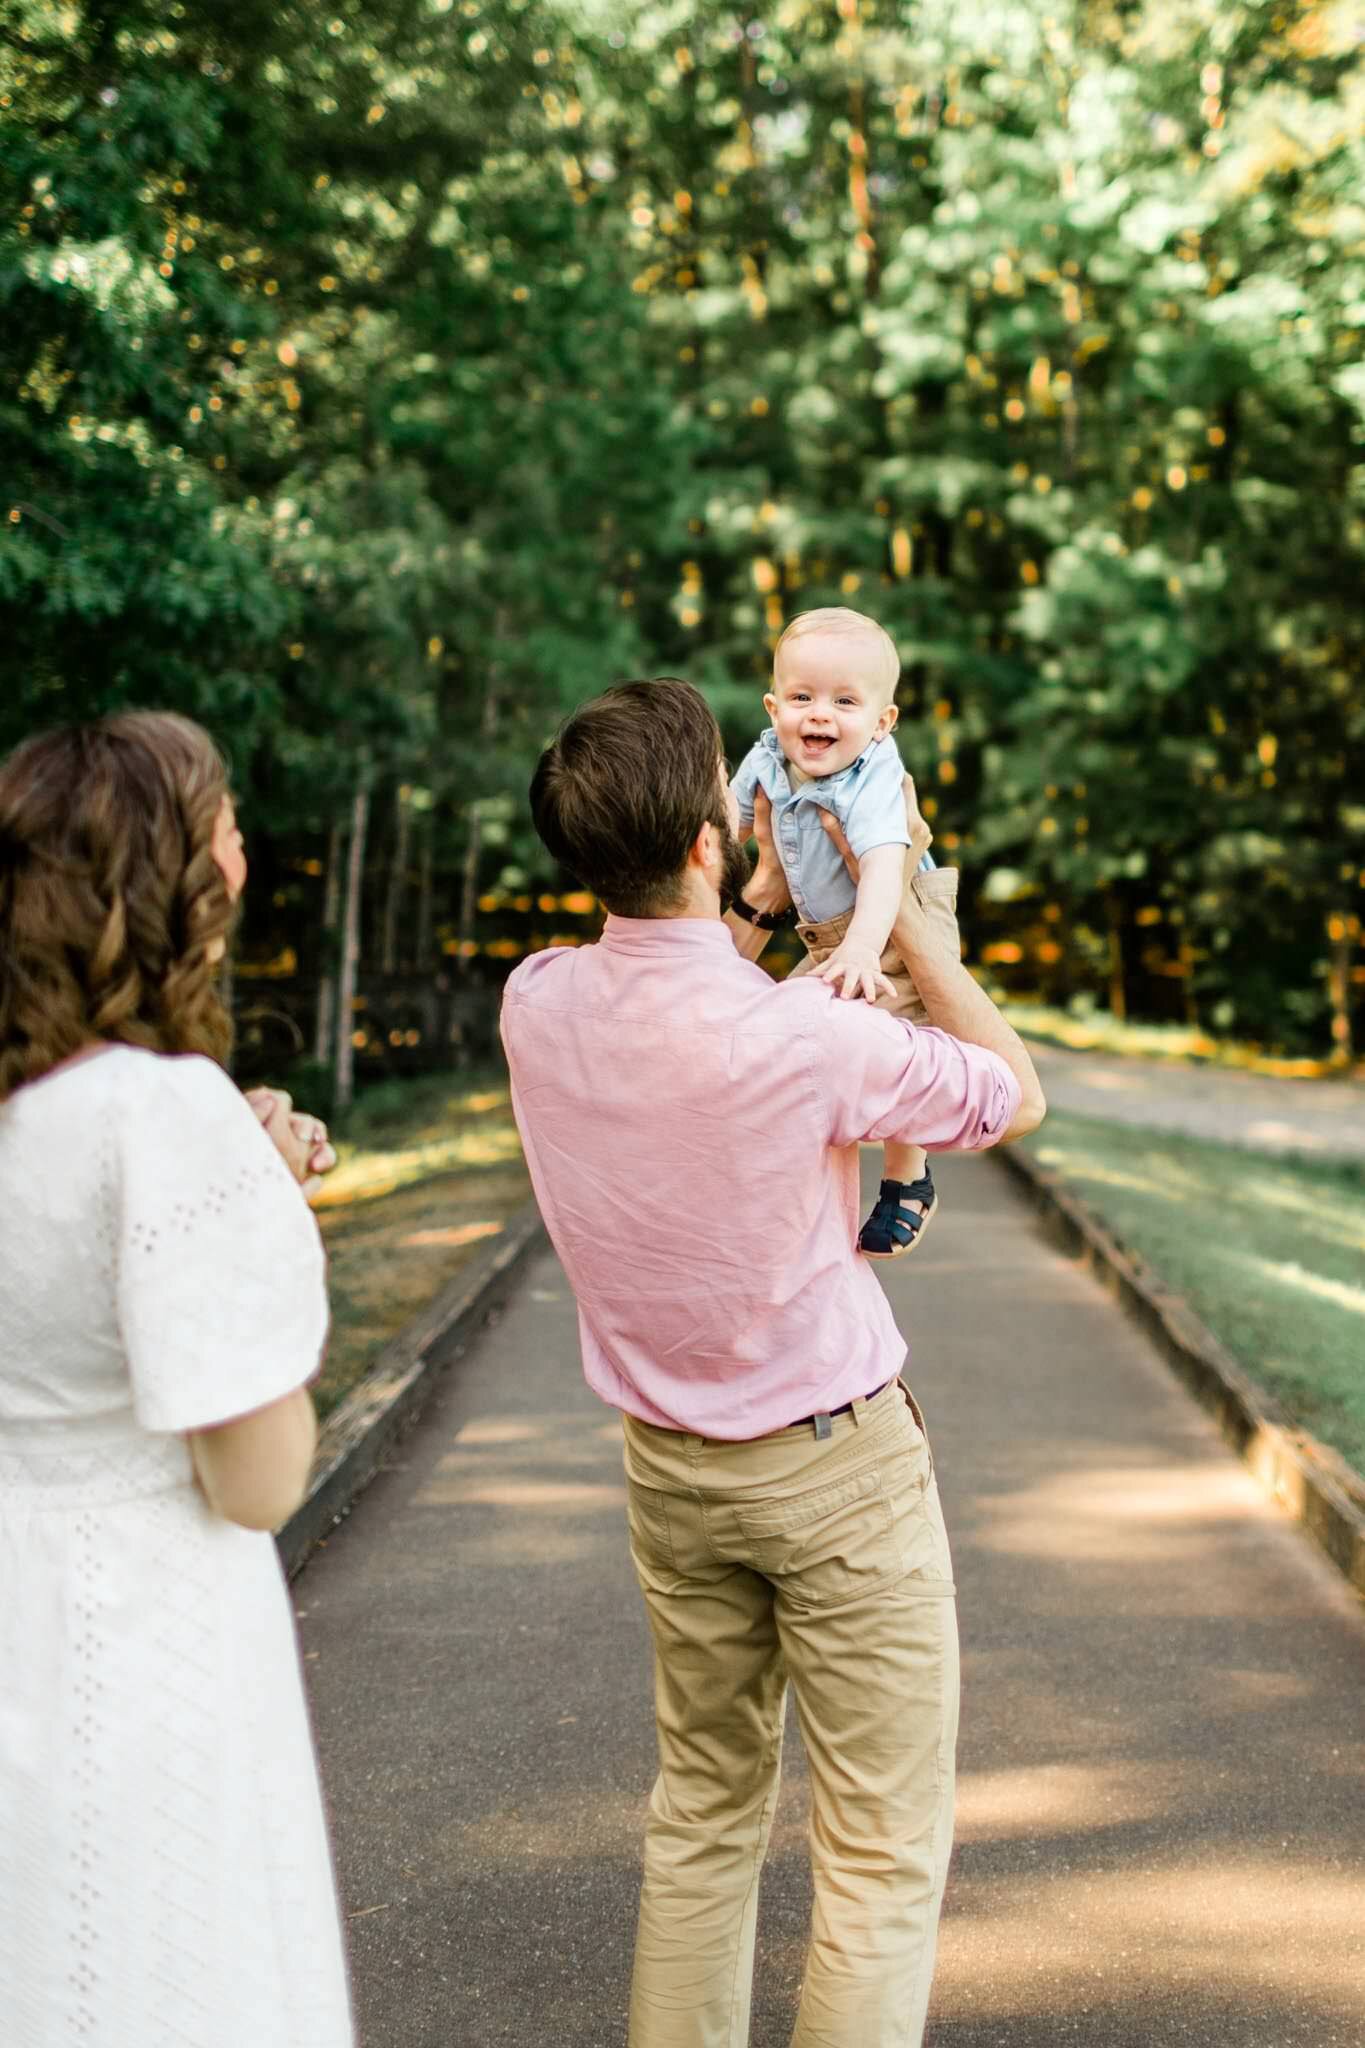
column 829, row 748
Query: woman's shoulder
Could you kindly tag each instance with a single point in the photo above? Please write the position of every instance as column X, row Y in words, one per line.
column 138, row 1071
column 130, row 1088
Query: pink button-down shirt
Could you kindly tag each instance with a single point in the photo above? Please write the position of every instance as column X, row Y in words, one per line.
column 692, row 1132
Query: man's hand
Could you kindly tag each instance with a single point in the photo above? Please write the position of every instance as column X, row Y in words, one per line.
column 857, row 967
column 921, row 838
column 301, row 1140
column 766, row 888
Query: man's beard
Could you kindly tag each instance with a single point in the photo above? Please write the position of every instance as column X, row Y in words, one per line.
column 735, row 865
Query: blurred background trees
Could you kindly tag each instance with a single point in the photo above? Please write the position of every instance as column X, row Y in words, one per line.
column 378, row 380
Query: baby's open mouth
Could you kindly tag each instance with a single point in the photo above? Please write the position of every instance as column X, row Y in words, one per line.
column 817, row 743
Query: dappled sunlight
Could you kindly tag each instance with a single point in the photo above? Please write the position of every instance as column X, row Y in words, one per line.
column 556, row 1429
column 1061, row 1799
column 544, row 1497
column 509, row 1546
column 1068, row 1942
column 1270, row 1131
column 1332, row 1216
column 481, row 1103
column 448, row 1240
column 371, row 1174
column 1102, row 1174
column 1225, row 1688
column 1115, row 1514
column 1289, row 1275
column 1120, row 1080
column 558, row 1830
column 564, row 1463
column 1025, row 1265
column 500, row 1429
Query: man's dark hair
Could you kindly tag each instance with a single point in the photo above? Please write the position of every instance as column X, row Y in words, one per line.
column 623, row 789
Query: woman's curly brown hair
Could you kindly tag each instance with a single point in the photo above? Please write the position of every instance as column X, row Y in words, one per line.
column 110, row 899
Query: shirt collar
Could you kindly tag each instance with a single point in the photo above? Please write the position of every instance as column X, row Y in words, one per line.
column 658, row 935
column 768, row 738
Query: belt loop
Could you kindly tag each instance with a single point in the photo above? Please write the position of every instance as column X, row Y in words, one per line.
column 823, row 1427
column 856, row 1409
column 914, row 1408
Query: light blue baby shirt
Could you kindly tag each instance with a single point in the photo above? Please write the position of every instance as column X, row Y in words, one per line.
column 867, row 798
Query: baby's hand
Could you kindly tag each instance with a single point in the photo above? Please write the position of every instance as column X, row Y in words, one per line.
column 859, row 968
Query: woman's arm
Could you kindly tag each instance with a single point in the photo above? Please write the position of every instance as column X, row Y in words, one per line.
column 254, row 1470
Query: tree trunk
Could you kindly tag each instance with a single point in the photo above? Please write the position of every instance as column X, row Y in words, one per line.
column 350, row 945
column 393, row 899
column 469, row 888
column 325, row 1022
column 425, row 895
column 1118, row 997
column 1187, row 984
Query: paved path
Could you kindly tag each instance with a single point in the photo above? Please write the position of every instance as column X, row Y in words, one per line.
column 1162, row 1827
column 1325, row 1118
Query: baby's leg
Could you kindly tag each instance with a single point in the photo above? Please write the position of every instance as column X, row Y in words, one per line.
column 905, row 1202
column 905, row 1163
column 907, row 1198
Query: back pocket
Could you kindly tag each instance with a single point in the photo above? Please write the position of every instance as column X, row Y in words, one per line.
column 825, row 1547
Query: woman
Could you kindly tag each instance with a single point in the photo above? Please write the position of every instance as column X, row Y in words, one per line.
column 164, row 1870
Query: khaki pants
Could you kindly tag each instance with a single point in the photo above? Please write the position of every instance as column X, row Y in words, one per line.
column 819, row 1552
column 936, row 889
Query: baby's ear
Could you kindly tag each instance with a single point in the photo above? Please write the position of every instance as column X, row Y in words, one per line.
column 887, row 720
column 770, row 704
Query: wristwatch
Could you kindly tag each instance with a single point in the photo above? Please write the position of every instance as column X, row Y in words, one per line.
column 765, row 920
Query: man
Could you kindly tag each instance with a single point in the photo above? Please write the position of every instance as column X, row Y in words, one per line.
column 692, row 1132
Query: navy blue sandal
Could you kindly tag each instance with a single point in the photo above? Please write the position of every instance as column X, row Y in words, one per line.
column 893, row 1230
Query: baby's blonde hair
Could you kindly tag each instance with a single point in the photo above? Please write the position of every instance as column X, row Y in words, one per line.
column 837, row 618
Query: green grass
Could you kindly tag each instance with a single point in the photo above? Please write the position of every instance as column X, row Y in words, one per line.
column 430, row 1171
column 1097, row 1031
column 1269, row 1251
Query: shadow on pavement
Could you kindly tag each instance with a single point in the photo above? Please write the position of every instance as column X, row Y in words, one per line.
column 1161, row 1824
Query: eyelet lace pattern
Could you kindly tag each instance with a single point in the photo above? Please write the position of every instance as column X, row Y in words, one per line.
column 163, row 1857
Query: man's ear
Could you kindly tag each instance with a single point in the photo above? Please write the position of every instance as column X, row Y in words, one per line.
column 886, row 722
column 770, row 706
column 704, row 848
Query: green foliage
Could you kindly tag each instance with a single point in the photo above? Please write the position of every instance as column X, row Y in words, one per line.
column 377, row 381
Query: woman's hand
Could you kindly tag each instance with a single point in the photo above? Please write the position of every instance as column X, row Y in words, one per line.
column 301, row 1140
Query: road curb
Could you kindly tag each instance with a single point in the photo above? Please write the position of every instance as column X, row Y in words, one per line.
column 1313, row 1485
column 354, row 1438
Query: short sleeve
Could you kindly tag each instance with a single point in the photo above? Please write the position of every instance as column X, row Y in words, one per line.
column 886, row 1080
column 875, row 814
column 745, row 780
column 222, row 1299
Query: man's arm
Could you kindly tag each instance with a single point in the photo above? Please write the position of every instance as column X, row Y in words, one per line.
column 955, row 1002
column 856, row 962
column 766, row 889
column 958, row 1005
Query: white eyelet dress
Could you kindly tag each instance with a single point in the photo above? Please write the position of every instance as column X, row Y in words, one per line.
column 165, row 1880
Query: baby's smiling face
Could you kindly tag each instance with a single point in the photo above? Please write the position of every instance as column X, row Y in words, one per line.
column 829, row 700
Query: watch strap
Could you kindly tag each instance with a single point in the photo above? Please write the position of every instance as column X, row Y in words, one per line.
column 764, row 920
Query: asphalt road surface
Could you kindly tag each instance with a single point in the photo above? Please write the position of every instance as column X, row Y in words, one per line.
column 1322, row 1119
column 1161, row 1833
